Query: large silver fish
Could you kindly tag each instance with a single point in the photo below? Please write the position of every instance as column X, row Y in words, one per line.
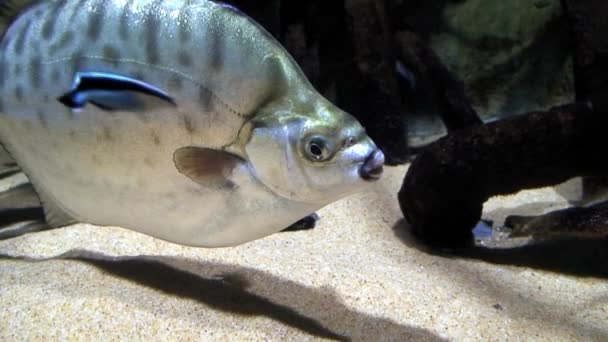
column 183, row 120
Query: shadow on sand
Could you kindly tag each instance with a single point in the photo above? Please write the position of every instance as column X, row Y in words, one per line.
column 228, row 288
column 583, row 258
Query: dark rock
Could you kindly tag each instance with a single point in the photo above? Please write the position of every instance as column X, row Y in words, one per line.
column 445, row 188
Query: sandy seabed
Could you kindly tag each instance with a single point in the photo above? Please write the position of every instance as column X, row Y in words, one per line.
column 358, row 275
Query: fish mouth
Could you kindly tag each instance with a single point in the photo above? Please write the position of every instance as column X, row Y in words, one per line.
column 372, row 168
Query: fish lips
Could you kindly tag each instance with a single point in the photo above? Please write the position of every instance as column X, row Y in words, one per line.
column 373, row 166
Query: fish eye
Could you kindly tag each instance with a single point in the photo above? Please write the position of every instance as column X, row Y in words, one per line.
column 317, row 149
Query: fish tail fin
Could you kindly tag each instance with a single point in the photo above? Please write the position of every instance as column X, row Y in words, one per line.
column 8, row 166
column 20, row 199
column 9, row 9
column 20, row 208
column 20, row 211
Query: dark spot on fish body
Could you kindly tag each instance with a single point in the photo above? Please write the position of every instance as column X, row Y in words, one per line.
column 155, row 139
column 188, row 124
column 78, row 9
column 107, row 184
column 19, row 93
column 123, row 25
column 228, row 185
column 16, row 70
column 55, row 75
column 39, row 13
column 1, row 106
column 73, row 135
column 175, row 82
column 183, row 21
column 184, row 58
column 5, row 42
column 139, row 75
column 149, row 162
column 151, row 32
column 216, row 49
column 48, row 28
column 141, row 182
column 205, row 98
column 22, row 36
column 42, row 119
column 96, row 20
column 66, row 38
column 107, row 134
column 142, row 117
column 35, row 72
column 2, row 72
column 77, row 61
column 95, row 160
column 111, row 54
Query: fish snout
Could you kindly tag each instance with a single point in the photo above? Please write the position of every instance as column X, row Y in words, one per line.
column 373, row 166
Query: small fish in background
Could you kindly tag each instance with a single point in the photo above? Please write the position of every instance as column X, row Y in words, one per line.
column 183, row 120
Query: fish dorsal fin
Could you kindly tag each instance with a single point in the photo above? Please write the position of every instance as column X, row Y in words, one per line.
column 9, row 9
column 206, row 166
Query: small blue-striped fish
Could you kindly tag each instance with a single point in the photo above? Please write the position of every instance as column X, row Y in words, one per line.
column 184, row 120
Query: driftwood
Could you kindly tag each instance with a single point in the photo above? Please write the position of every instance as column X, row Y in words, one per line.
column 443, row 194
column 445, row 188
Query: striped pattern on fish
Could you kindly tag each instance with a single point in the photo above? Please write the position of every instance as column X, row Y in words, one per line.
column 227, row 76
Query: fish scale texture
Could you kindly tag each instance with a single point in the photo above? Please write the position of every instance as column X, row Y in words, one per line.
column 356, row 275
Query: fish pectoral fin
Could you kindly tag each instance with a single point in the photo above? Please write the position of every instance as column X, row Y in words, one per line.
column 205, row 165
column 113, row 92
